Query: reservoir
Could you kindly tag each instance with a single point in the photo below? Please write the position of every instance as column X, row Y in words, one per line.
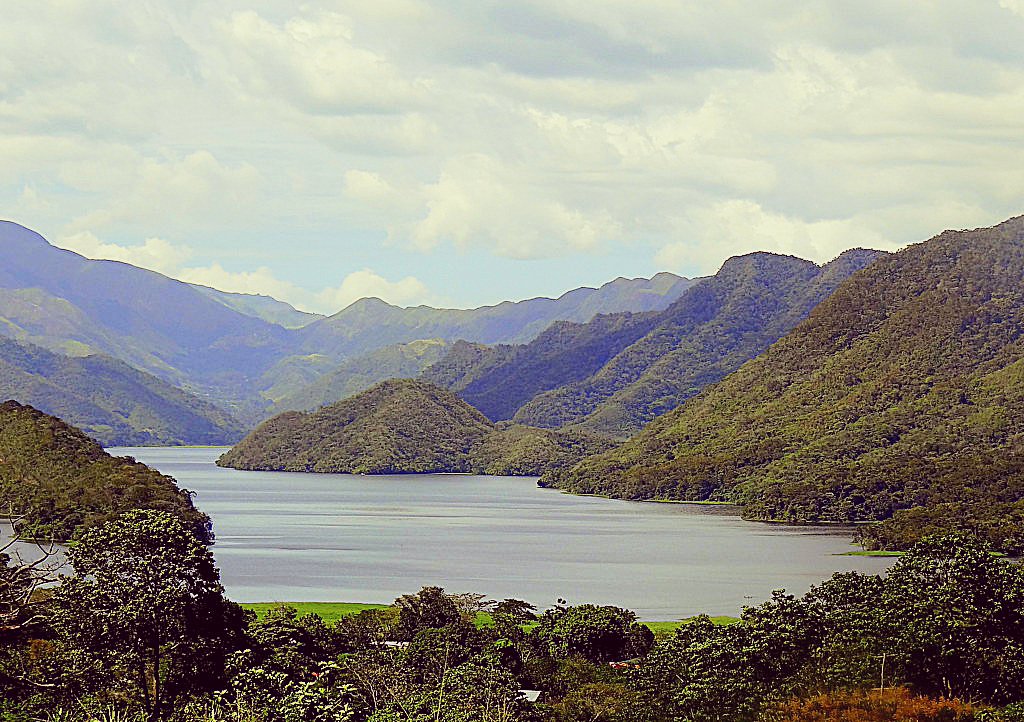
column 337, row 537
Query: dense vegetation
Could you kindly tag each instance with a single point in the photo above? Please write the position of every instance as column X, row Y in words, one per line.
column 564, row 353
column 142, row 631
column 719, row 323
column 405, row 426
column 109, row 400
column 515, row 450
column 55, row 479
column 465, row 362
column 903, row 389
column 350, row 377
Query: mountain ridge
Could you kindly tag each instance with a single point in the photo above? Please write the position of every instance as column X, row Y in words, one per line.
column 900, row 397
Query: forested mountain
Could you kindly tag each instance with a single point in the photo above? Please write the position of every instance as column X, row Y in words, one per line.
column 903, row 390
column 398, row 361
column 404, row 426
column 109, row 400
column 717, row 325
column 500, row 381
column 371, row 323
column 59, row 479
column 465, row 362
column 259, row 306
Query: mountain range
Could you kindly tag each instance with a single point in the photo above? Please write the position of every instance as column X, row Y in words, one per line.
column 618, row 371
column 244, row 353
column 901, row 397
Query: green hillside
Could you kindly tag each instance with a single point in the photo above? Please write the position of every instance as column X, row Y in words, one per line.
column 564, row 353
column 465, row 362
column 398, row 426
column 405, row 426
column 903, row 390
column 59, row 480
column 109, row 400
column 354, row 375
column 719, row 324
column 515, row 450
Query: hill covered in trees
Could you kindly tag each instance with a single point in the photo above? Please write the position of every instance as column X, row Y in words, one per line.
column 714, row 328
column 109, row 400
column 350, row 377
column 901, row 398
column 404, row 426
column 59, row 480
column 499, row 381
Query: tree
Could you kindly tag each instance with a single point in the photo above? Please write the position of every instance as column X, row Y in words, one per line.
column 144, row 611
column 430, row 608
column 957, row 620
column 599, row 634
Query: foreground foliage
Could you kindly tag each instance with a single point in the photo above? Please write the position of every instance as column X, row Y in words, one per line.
column 142, row 631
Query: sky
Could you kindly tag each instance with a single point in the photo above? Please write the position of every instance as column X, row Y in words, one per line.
column 464, row 152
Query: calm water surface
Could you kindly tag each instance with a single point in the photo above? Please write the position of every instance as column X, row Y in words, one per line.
column 336, row 537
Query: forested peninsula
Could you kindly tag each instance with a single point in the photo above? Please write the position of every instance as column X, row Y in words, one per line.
column 55, row 480
column 405, row 426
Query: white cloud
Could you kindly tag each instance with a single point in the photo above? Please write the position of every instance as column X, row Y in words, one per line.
column 734, row 227
column 155, row 254
column 366, row 283
column 313, row 60
column 561, row 129
column 176, row 191
column 1014, row 6
column 479, row 201
column 367, row 187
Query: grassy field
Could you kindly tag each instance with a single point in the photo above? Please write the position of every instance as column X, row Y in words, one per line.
column 331, row 612
column 869, row 554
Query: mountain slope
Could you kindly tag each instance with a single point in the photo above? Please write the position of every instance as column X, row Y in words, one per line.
column 64, row 302
column 259, row 306
column 399, row 361
column 60, row 480
column 903, row 389
column 404, row 426
column 465, row 362
column 371, row 323
column 506, row 379
column 112, row 402
column 717, row 325
column 222, row 346
column 396, row 427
